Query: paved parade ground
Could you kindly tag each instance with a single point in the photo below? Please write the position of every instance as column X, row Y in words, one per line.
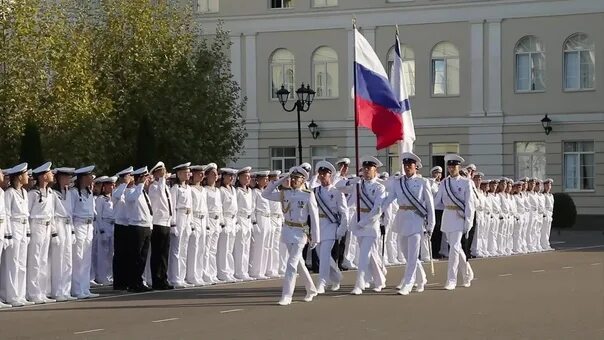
column 553, row 295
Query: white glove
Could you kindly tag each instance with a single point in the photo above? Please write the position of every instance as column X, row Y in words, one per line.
column 313, row 244
column 4, row 243
column 354, row 180
column 174, row 231
column 55, row 240
column 340, row 232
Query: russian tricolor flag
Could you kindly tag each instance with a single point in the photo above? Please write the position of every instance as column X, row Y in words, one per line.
column 376, row 104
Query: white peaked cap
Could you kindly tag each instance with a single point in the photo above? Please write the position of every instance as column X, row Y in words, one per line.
column 126, row 171
column 158, row 166
column 42, row 168
column 298, row 170
column 453, row 157
column 325, row 165
column 371, row 159
column 182, row 166
column 17, row 169
column 140, row 171
column 344, row 160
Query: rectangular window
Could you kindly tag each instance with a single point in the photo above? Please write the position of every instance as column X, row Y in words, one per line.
column 530, row 160
column 324, row 153
column 579, row 70
column 579, row 166
column 438, row 152
column 324, row 3
column 281, row 3
column 207, row 6
column 283, row 158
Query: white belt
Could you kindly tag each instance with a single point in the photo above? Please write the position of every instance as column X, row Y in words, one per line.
column 229, row 215
column 263, row 213
column 244, row 215
column 40, row 221
column 214, row 215
column 85, row 220
column 19, row 220
column 198, row 214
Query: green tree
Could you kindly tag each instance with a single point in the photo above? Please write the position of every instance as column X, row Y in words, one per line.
column 145, row 144
column 31, row 146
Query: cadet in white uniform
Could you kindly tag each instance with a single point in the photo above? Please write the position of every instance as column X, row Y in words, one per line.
column 226, row 240
column 15, row 255
column 4, row 237
column 161, row 203
column 367, row 228
column 456, row 198
column 140, row 221
column 245, row 219
column 277, row 256
column 298, row 205
column 61, row 253
column 214, row 223
column 180, row 230
column 414, row 218
column 82, row 202
column 549, row 214
column 264, row 260
column 41, row 213
column 199, row 225
column 105, row 221
column 333, row 224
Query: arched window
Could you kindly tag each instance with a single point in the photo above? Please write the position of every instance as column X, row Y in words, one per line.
column 530, row 64
column 283, row 72
column 408, row 57
column 579, row 60
column 445, row 70
column 325, row 72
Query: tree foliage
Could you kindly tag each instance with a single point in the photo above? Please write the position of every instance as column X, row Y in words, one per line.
column 92, row 77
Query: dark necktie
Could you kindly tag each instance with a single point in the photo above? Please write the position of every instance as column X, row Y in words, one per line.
column 169, row 203
column 148, row 202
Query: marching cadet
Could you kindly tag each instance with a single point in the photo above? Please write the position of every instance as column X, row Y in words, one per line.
column 245, row 219
column 455, row 197
column 18, row 233
column 161, row 203
column 333, row 223
column 278, row 250
column 226, row 241
column 199, row 225
column 414, row 218
column 180, row 229
column 41, row 213
column 105, row 221
column 214, row 202
column 351, row 245
column 392, row 248
column 122, row 234
column 367, row 227
column 140, row 222
column 298, row 205
column 342, row 166
column 549, row 214
column 439, row 240
column 82, row 202
column 264, row 259
column 61, row 252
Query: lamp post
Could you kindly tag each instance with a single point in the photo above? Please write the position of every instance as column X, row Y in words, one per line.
column 305, row 96
column 546, row 123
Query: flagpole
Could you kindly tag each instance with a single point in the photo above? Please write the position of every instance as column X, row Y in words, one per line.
column 356, row 115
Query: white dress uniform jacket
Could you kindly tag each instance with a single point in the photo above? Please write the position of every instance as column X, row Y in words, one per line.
column 408, row 219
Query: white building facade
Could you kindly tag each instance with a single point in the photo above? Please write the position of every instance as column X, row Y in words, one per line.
column 482, row 74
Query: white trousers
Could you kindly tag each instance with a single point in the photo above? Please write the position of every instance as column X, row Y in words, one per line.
column 241, row 248
column 209, row 260
column 444, row 251
column 492, row 237
column 37, row 260
column 224, row 256
column 425, row 247
column 295, row 264
column 351, row 249
column 82, row 258
column 482, row 236
column 545, row 232
column 94, row 252
column 261, row 261
column 104, row 259
column 195, row 251
column 414, row 272
column 391, row 247
column 179, row 246
column 457, row 259
column 516, row 239
column 13, row 271
column 537, row 232
column 61, row 260
column 369, row 263
column 328, row 268
column 277, row 253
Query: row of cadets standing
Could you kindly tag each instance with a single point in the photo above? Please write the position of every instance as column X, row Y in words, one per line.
column 214, row 221
column 180, row 227
column 414, row 220
column 199, row 228
column 298, row 206
column 245, row 220
column 104, row 228
column 261, row 231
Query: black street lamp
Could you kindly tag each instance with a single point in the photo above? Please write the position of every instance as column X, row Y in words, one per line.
column 314, row 129
column 546, row 123
column 305, row 96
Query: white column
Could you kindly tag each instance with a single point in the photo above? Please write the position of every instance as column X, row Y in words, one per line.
column 494, row 97
column 236, row 48
column 250, row 77
column 477, row 68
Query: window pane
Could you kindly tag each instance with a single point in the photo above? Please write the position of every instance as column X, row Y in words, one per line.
column 332, row 80
column 409, row 74
column 571, row 76
column 586, row 146
column 277, row 164
column 438, row 76
column 570, row 171
column 523, row 165
column 587, row 70
column 277, row 79
column 320, row 75
column 452, row 77
column 538, row 82
column 522, row 72
column 289, row 152
column 570, row 147
column 289, row 162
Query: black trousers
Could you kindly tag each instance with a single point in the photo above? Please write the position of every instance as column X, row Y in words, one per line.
column 120, row 247
column 139, row 249
column 437, row 235
column 160, row 248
